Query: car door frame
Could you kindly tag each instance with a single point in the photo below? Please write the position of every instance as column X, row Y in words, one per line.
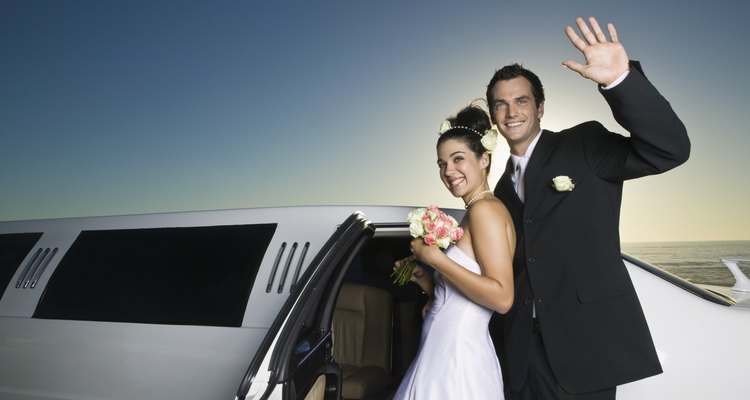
column 287, row 364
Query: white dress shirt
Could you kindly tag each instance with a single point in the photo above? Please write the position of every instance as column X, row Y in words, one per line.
column 519, row 165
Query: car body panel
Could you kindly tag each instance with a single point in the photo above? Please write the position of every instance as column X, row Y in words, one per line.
column 702, row 345
column 699, row 336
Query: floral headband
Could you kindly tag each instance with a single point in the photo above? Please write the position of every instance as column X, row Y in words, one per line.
column 489, row 138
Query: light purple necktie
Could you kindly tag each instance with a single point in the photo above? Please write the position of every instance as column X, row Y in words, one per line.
column 518, row 181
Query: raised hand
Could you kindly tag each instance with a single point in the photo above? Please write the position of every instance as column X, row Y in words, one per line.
column 605, row 60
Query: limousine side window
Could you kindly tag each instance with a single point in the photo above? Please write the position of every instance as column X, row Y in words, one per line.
column 13, row 249
column 180, row 276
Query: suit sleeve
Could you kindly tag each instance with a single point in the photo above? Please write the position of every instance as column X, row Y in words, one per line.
column 658, row 139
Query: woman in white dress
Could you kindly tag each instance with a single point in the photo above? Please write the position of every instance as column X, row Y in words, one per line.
column 472, row 279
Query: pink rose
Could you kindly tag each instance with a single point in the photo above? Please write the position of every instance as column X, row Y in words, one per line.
column 441, row 231
column 457, row 234
column 430, row 227
column 430, row 239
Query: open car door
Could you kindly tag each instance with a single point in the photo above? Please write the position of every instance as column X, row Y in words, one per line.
column 294, row 360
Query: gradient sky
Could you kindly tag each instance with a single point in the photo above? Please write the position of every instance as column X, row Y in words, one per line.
column 127, row 107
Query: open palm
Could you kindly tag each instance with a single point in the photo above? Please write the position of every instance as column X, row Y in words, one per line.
column 605, row 60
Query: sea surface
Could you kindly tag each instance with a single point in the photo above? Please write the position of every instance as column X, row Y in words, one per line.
column 698, row 262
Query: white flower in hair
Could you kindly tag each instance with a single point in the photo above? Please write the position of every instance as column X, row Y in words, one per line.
column 489, row 140
column 445, row 126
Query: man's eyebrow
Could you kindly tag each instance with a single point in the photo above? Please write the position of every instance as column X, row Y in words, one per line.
column 522, row 97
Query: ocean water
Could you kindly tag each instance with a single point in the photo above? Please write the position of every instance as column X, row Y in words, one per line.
column 698, row 262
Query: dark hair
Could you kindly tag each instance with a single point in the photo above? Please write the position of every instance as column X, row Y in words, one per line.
column 468, row 127
column 513, row 71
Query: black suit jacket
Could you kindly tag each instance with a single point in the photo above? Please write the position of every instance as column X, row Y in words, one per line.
column 567, row 259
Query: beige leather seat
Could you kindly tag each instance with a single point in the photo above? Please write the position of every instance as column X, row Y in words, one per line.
column 362, row 329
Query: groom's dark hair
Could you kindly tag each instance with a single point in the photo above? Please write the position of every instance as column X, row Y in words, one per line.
column 514, row 71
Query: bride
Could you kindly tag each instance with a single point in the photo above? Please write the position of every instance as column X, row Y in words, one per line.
column 472, row 279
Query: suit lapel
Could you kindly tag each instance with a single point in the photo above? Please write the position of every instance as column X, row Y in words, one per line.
column 538, row 190
column 505, row 190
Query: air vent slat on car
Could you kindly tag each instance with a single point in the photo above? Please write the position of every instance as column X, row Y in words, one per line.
column 275, row 267
column 27, row 268
column 41, row 269
column 35, row 268
column 286, row 267
column 299, row 265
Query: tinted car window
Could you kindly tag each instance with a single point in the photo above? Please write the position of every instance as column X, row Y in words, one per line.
column 185, row 276
column 13, row 249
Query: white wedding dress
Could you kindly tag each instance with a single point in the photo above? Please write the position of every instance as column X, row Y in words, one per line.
column 456, row 358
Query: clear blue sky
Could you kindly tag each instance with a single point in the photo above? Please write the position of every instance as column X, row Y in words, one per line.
column 124, row 107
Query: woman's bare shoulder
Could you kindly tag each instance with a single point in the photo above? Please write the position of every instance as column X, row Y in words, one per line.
column 488, row 208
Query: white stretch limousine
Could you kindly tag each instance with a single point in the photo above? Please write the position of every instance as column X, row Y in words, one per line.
column 274, row 303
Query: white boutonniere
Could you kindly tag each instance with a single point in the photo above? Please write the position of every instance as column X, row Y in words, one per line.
column 563, row 183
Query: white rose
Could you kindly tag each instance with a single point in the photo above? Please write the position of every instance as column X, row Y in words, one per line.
column 444, row 127
column 444, row 242
column 416, row 229
column 415, row 222
column 416, row 215
column 489, row 140
column 563, row 183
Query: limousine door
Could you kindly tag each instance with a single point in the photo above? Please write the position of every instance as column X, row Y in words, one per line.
column 294, row 360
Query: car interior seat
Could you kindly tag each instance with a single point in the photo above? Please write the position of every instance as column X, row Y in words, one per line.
column 362, row 330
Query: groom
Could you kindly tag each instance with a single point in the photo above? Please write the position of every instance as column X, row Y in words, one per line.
column 576, row 329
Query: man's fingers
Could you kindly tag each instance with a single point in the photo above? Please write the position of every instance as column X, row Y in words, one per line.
column 577, row 67
column 597, row 30
column 577, row 42
column 585, row 31
column 612, row 32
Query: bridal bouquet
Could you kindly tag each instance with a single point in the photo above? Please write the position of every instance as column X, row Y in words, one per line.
column 436, row 228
